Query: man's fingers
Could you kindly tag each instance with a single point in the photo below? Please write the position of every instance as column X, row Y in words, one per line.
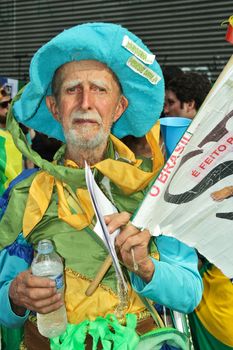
column 34, row 293
column 139, row 239
column 129, row 234
column 117, row 220
column 49, row 308
column 45, row 305
column 32, row 281
column 38, row 293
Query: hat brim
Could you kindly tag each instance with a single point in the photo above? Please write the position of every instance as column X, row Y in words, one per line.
column 92, row 41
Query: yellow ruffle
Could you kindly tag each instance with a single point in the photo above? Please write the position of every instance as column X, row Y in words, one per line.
column 104, row 301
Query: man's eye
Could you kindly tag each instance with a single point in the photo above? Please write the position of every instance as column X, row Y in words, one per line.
column 73, row 89
column 98, row 88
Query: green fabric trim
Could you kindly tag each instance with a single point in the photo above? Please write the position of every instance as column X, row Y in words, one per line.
column 202, row 339
column 107, row 331
column 3, row 159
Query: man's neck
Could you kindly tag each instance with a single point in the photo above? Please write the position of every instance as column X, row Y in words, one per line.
column 2, row 125
column 91, row 156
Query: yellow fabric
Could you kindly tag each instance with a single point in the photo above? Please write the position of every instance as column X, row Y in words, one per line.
column 216, row 308
column 136, row 179
column 79, row 220
column 80, row 307
column 42, row 186
column 39, row 197
column 14, row 160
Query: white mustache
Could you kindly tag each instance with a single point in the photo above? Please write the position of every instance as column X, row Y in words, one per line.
column 86, row 116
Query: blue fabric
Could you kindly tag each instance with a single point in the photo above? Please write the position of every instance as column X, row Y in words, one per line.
column 5, row 197
column 10, row 267
column 91, row 41
column 169, row 347
column 178, row 288
column 22, row 249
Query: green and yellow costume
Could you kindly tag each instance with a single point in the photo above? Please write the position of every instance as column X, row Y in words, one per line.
column 211, row 322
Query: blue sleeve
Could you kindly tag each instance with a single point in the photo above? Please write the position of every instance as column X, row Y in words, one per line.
column 13, row 260
column 176, row 282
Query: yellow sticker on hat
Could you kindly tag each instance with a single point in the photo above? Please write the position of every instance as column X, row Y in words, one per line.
column 143, row 70
column 138, row 52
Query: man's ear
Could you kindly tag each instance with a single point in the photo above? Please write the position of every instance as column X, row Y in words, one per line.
column 191, row 105
column 52, row 106
column 121, row 107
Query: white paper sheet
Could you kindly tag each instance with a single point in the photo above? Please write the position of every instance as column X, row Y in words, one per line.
column 102, row 206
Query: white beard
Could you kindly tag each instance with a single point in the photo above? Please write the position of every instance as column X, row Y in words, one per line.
column 79, row 139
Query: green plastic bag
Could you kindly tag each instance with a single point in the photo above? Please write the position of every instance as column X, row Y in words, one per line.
column 155, row 339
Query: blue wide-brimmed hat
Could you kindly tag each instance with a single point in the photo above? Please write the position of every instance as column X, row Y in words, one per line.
column 123, row 52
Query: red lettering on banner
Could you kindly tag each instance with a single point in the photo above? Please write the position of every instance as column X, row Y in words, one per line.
column 195, row 173
column 222, row 148
column 218, row 152
column 202, row 166
column 167, row 168
column 208, row 160
column 215, row 152
column 230, row 140
column 162, row 177
column 154, row 192
column 173, row 159
column 179, row 148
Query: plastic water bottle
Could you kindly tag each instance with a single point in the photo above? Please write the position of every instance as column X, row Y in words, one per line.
column 47, row 263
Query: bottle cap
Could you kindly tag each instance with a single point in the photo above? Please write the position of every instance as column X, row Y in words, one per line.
column 45, row 246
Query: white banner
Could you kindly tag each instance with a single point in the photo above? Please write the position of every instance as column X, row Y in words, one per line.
column 182, row 201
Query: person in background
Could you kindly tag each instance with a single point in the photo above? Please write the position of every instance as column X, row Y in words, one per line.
column 88, row 82
column 170, row 72
column 11, row 163
column 5, row 100
column 185, row 94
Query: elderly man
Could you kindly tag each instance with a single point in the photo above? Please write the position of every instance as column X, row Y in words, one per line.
column 87, row 82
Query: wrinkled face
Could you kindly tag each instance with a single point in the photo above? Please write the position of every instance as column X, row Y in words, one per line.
column 174, row 108
column 87, row 102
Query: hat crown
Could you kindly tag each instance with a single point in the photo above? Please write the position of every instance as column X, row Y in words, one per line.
column 122, row 51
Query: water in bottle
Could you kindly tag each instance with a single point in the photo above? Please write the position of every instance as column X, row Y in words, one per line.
column 47, row 263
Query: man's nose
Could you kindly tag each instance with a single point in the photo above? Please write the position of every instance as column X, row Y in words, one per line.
column 87, row 100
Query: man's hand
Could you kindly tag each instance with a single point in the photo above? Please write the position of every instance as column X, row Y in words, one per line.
column 34, row 293
column 132, row 245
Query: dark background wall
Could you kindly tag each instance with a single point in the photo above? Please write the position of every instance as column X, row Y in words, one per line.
column 187, row 33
